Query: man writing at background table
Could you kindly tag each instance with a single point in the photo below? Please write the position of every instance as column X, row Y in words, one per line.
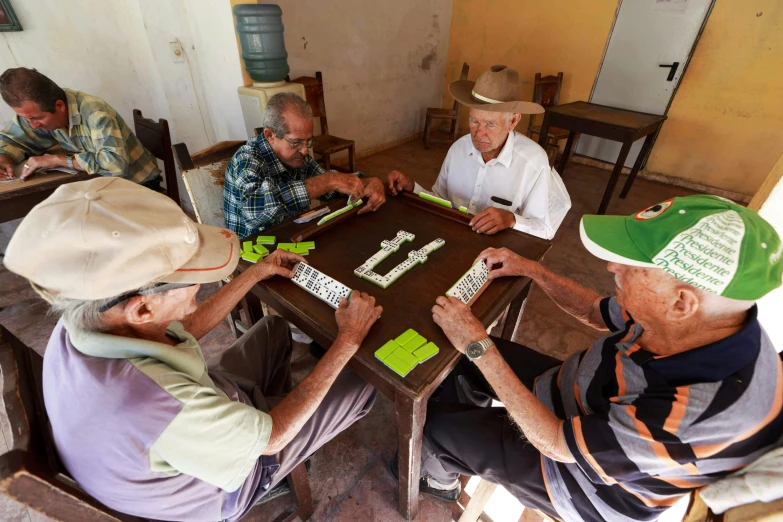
column 496, row 173
column 95, row 137
column 273, row 177
column 686, row 388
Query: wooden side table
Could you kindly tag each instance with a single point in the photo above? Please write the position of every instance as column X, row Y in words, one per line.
column 604, row 122
column 17, row 199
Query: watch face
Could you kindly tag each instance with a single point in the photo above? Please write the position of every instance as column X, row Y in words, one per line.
column 475, row 350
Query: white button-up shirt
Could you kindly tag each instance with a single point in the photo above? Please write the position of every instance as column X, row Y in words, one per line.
column 520, row 174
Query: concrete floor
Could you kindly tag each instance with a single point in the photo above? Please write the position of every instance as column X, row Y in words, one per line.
column 349, row 476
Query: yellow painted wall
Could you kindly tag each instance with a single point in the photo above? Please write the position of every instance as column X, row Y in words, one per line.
column 530, row 36
column 725, row 126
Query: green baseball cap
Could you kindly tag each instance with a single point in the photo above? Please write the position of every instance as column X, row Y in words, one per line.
column 706, row 241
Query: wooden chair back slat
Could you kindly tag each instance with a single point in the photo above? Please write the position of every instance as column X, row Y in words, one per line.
column 156, row 138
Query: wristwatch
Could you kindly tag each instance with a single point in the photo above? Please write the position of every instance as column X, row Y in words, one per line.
column 69, row 159
column 477, row 349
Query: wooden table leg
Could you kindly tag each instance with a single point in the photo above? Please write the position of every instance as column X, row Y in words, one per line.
column 514, row 310
column 253, row 308
column 411, row 415
column 566, row 152
column 300, row 487
column 618, row 168
column 638, row 165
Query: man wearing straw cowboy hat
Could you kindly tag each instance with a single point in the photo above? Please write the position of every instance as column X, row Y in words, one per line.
column 500, row 176
column 140, row 419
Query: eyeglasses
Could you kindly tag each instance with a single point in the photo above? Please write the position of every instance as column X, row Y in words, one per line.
column 157, row 289
column 297, row 144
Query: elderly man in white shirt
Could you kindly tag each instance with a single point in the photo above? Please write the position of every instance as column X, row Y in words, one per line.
column 500, row 176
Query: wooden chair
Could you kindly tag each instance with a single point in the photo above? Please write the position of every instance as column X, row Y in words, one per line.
column 31, row 472
column 452, row 114
column 325, row 144
column 546, row 92
column 156, row 138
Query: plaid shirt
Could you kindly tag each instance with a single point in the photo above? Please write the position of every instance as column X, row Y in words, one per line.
column 97, row 136
column 261, row 192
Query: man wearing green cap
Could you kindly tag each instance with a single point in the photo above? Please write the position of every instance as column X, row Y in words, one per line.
column 684, row 389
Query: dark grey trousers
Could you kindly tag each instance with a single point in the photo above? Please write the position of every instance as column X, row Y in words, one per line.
column 260, row 362
column 465, row 435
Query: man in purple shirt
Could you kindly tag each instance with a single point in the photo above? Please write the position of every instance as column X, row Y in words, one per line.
column 140, row 419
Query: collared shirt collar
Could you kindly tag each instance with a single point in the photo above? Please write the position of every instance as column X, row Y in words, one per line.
column 107, row 346
column 506, row 153
column 269, row 156
column 712, row 362
column 74, row 117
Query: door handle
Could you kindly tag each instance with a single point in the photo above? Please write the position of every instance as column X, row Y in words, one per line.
column 672, row 70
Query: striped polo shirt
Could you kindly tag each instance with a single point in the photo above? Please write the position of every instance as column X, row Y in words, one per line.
column 646, row 429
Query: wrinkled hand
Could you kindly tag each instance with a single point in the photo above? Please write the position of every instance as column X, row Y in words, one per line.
column 373, row 191
column 503, row 262
column 457, row 322
column 279, row 262
column 350, row 185
column 492, row 220
column 355, row 316
column 399, row 182
column 39, row 162
column 6, row 166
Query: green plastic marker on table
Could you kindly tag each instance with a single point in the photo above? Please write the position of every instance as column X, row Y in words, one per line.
column 340, row 212
column 266, row 240
column 252, row 257
column 406, row 352
column 435, row 199
column 261, row 249
column 247, row 246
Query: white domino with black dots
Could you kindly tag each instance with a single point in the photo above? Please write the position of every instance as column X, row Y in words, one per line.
column 471, row 283
column 320, row 285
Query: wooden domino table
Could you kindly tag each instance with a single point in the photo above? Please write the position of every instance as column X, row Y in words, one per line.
column 17, row 199
column 407, row 303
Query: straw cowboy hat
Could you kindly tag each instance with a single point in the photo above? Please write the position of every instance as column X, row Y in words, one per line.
column 496, row 90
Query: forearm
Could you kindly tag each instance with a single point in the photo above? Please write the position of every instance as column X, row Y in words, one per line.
column 573, row 298
column 320, row 185
column 539, row 425
column 297, row 407
column 215, row 308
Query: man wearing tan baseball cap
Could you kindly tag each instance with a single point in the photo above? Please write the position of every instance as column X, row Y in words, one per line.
column 140, row 419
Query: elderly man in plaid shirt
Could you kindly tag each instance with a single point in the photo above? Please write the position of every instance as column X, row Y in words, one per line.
column 94, row 137
column 273, row 177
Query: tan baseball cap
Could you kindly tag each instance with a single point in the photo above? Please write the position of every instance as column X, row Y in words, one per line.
column 103, row 237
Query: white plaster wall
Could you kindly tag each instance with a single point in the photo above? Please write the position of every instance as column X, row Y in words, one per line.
column 383, row 63
column 771, row 305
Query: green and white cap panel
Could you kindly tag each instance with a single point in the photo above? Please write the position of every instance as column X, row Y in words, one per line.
column 706, row 241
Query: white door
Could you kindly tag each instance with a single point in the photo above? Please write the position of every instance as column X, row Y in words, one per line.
column 646, row 35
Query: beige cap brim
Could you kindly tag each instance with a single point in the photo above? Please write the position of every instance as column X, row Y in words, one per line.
column 216, row 258
column 462, row 91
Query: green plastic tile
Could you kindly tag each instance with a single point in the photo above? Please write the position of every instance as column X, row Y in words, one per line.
column 261, row 249
column 266, row 240
column 426, row 352
column 339, row 212
column 401, row 362
column 406, row 336
column 306, row 244
column 299, row 250
column 247, row 246
column 251, row 256
column 414, row 344
column 382, row 352
column 464, row 210
column 435, row 199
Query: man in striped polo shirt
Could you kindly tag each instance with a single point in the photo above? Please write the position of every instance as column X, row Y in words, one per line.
column 684, row 389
